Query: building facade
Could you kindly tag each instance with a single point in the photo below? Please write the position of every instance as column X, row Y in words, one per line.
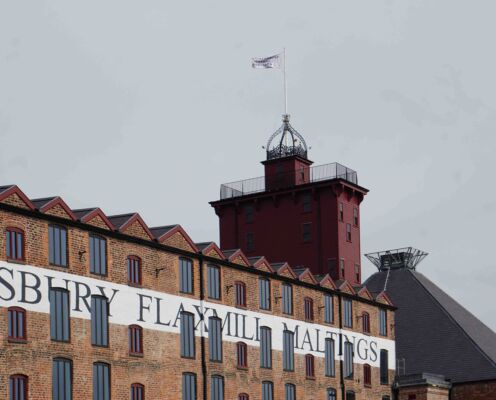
column 105, row 307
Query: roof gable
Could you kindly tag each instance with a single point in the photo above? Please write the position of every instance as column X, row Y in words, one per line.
column 307, row 276
column 261, row 263
column 94, row 216
column 285, row 270
column 131, row 224
column 236, row 256
column 346, row 287
column 383, row 298
column 12, row 195
column 364, row 293
column 174, row 236
column 211, row 250
column 54, row 206
column 327, row 282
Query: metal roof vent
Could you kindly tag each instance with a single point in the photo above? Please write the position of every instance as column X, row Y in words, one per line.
column 285, row 142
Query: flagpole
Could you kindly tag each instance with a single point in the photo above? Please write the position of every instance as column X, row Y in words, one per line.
column 285, row 84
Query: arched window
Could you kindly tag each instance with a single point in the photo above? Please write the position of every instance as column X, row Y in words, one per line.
column 310, row 366
column 62, row 378
column 135, row 340
column 134, row 276
column 240, row 294
column 243, row 396
column 366, row 322
column 242, row 354
column 15, row 244
column 367, row 375
column 137, row 391
column 17, row 323
column 350, row 395
column 308, row 309
column 18, row 387
column 331, row 394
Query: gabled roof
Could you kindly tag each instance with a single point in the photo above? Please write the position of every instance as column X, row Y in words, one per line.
column 305, row 273
column 123, row 221
column 326, row 280
column 85, row 215
column 283, row 268
column 344, row 285
column 434, row 333
column 234, row 254
column 162, row 234
column 207, row 247
column 9, row 190
column 160, row 231
column 47, row 203
column 260, row 262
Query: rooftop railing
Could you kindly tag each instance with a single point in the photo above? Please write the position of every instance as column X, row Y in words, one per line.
column 287, row 180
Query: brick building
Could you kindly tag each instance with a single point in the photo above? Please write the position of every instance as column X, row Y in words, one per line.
column 98, row 307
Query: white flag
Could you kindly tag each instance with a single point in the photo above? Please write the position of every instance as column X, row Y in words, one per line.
column 267, row 62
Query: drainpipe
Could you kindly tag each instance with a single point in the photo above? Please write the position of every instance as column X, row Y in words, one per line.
column 202, row 337
column 341, row 367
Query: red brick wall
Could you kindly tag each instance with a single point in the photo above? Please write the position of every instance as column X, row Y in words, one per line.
column 474, row 391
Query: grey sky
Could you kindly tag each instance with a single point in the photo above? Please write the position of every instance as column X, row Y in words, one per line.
column 149, row 105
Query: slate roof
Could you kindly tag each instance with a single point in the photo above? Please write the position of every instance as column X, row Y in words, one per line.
column 161, row 230
column 83, row 211
column 434, row 333
column 203, row 245
column 119, row 220
column 39, row 203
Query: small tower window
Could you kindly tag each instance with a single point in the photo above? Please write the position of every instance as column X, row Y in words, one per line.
column 250, row 242
column 307, row 202
column 366, row 322
column 348, row 232
column 307, row 232
column 357, row 273
column 341, row 268
column 341, row 212
column 355, row 216
column 249, row 213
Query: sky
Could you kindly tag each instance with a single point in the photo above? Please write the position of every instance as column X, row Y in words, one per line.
column 149, row 106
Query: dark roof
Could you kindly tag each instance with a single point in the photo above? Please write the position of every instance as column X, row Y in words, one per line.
column 119, row 220
column 203, row 245
column 159, row 231
column 39, row 203
column 228, row 253
column 434, row 333
column 5, row 187
column 82, row 212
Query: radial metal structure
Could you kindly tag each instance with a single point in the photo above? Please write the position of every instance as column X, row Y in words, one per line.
column 286, row 141
column 406, row 257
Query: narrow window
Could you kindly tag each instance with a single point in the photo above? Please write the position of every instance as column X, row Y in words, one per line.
column 367, row 375
column 134, row 270
column 330, row 357
column 310, row 366
column 217, row 388
column 135, row 340
column 288, row 351
column 99, row 320
column 249, row 213
column 98, row 255
column 59, row 314
column 213, row 282
column 348, row 360
column 250, row 242
column 341, row 212
column 355, row 216
column 240, row 294
column 348, row 313
column 383, row 322
column 215, row 338
column 185, row 275
column 384, row 367
column 243, row 396
column 331, row 394
column 18, row 387
column 287, row 298
column 366, row 322
column 348, row 232
column 267, row 390
column 328, row 309
column 264, row 292
column 350, row 395
column 101, row 381
column 307, row 202
column 265, row 347
column 333, row 267
column 357, row 273
column 57, row 245
column 189, row 386
column 308, row 304
column 137, row 391
column 15, row 244
column 61, row 379
column 17, row 324
column 341, row 267
column 187, row 335
column 289, row 391
column 307, row 232
column 242, row 354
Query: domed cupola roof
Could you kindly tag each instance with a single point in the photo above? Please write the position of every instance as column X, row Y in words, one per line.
column 285, row 142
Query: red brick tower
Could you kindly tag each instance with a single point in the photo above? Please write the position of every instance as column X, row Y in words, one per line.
column 307, row 216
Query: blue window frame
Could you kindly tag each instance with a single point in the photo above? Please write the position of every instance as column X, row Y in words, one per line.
column 265, row 347
column 287, row 298
column 187, row 335
column 57, row 245
column 61, row 379
column 264, row 293
column 98, row 255
column 217, row 388
column 213, row 282
column 215, row 338
column 185, row 275
column 348, row 313
column 267, row 390
column 59, row 314
column 288, row 351
column 330, row 356
column 289, row 391
column 331, row 394
column 101, row 381
column 99, row 320
column 348, row 360
column 384, row 367
column 383, row 322
column 328, row 309
column 189, row 386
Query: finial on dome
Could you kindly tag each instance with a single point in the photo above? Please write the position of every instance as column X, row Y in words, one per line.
column 285, row 142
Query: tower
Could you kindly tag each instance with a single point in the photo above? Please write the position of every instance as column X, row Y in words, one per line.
column 306, row 215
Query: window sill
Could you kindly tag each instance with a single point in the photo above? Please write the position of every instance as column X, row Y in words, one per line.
column 12, row 261
column 59, row 266
column 135, row 285
column 242, row 368
column 18, row 341
column 310, row 378
column 139, row 355
column 367, row 385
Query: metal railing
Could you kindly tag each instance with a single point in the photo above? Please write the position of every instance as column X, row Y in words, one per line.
column 316, row 174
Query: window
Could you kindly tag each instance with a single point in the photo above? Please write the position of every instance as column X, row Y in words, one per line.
column 217, row 388
column 185, row 275
column 341, row 212
column 333, row 270
column 61, row 379
column 348, row 313
column 384, row 367
column 264, row 292
column 328, row 309
column 137, row 391
column 250, row 242
column 389, row 398
column 59, row 314
column 134, row 270
column 18, row 387
column 350, row 395
column 215, row 338
column 265, row 347
column 15, row 244
column 357, row 273
column 289, row 391
column 57, row 245
column 308, row 309
column 329, row 357
column 367, row 375
column 288, row 351
column 355, row 216
column 331, row 394
column 249, row 213
column 99, row 320
column 135, row 340
column 365, row 322
column 307, row 232
column 310, row 366
column 240, row 294
column 287, row 298
column 348, row 232
column 242, row 354
column 307, row 202
column 267, row 390
column 341, row 267
column 348, row 360
column 101, row 381
column 382, row 322
column 243, row 396
column 98, row 255
column 213, row 282
column 189, row 386
column 17, row 323
column 187, row 335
